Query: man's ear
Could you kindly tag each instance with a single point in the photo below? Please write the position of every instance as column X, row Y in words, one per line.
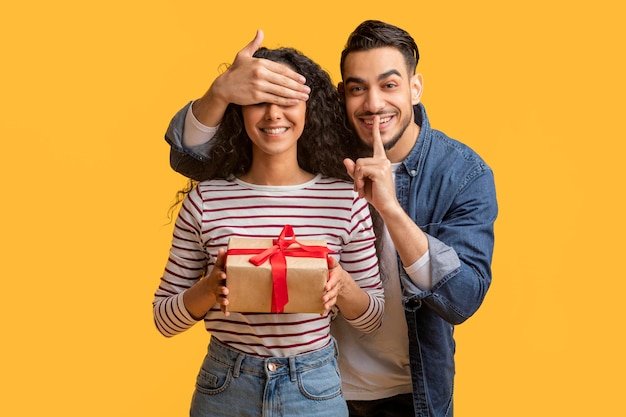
column 342, row 91
column 417, row 87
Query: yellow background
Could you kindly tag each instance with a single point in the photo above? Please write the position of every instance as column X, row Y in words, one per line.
column 88, row 88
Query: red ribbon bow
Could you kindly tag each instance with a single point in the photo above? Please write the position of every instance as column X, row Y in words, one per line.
column 276, row 254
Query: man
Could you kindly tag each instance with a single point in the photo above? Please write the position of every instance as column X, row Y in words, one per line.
column 435, row 196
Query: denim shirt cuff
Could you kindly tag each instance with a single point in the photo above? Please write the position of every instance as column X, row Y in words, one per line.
column 444, row 263
column 411, row 294
column 443, row 260
column 174, row 136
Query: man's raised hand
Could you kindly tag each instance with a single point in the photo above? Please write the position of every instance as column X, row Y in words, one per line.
column 251, row 80
column 372, row 176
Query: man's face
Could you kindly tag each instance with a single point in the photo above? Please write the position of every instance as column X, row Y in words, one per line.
column 376, row 82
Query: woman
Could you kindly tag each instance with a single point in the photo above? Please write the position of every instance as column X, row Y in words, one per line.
column 278, row 165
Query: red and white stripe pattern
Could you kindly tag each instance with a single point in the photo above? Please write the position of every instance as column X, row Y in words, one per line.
column 216, row 210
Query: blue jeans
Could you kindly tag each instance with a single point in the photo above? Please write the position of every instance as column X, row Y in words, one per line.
column 232, row 383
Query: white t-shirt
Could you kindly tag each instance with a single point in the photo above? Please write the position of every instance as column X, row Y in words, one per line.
column 376, row 365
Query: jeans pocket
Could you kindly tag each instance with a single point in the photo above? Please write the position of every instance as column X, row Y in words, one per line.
column 214, row 376
column 321, row 383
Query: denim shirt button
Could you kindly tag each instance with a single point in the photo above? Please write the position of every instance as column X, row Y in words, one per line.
column 413, row 172
column 414, row 304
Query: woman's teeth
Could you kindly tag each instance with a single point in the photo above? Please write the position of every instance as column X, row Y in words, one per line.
column 275, row 131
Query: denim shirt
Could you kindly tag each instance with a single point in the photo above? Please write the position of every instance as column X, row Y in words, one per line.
column 449, row 191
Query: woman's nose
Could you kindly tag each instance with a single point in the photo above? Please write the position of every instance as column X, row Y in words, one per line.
column 273, row 112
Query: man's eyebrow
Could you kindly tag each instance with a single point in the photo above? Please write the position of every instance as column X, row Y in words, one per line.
column 389, row 74
column 354, row 80
column 381, row 77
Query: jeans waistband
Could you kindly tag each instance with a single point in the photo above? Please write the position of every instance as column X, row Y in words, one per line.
column 273, row 366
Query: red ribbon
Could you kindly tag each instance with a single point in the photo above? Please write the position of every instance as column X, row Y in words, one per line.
column 276, row 254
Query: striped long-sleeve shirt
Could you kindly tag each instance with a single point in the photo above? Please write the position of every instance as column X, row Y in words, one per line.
column 216, row 210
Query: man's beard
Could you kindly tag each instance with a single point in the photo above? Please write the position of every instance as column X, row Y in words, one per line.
column 366, row 150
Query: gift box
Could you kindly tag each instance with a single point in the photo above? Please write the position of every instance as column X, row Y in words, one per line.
column 281, row 275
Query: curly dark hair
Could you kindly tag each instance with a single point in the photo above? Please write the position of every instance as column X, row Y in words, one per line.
column 325, row 139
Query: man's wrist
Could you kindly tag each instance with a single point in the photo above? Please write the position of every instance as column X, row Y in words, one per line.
column 195, row 133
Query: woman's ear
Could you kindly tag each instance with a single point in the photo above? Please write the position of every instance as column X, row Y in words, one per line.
column 417, row 86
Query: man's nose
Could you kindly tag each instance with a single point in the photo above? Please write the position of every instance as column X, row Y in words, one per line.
column 374, row 101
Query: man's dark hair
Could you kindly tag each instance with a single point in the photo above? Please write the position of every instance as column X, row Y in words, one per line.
column 373, row 34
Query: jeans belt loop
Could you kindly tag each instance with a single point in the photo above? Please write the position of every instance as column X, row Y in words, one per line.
column 292, row 368
column 237, row 366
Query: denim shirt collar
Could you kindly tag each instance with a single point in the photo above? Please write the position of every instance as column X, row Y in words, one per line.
column 411, row 162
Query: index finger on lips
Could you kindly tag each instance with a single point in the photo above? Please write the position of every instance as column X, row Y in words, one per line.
column 377, row 141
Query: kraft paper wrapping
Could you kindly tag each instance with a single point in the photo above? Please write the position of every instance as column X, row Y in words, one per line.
column 250, row 287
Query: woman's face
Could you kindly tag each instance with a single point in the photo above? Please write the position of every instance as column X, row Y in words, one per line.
column 274, row 129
